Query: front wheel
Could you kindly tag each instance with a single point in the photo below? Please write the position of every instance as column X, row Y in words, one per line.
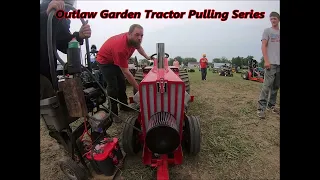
column 72, row 170
column 245, row 75
column 131, row 136
column 192, row 135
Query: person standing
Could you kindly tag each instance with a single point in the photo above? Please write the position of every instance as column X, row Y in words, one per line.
column 61, row 30
column 176, row 63
column 113, row 62
column 203, row 67
column 271, row 54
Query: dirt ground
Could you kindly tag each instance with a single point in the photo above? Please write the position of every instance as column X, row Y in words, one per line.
column 236, row 144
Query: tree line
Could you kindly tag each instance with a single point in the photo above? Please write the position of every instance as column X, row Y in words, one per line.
column 238, row 61
column 235, row 61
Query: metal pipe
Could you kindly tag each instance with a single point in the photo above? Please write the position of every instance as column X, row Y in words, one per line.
column 52, row 50
column 161, row 54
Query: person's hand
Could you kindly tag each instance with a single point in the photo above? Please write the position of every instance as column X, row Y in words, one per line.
column 85, row 31
column 55, row 4
column 136, row 87
column 150, row 58
column 266, row 64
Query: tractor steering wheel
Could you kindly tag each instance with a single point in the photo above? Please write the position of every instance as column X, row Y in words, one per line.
column 166, row 55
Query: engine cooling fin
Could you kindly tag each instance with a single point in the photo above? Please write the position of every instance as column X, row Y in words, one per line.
column 162, row 133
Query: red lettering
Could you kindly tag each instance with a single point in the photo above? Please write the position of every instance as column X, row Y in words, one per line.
column 237, row 14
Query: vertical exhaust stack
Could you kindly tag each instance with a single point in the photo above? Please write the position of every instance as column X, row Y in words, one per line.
column 161, row 54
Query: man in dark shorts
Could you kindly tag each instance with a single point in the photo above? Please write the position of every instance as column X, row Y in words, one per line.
column 271, row 54
column 113, row 57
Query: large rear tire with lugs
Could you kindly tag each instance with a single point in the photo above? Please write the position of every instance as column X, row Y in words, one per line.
column 185, row 78
column 138, row 77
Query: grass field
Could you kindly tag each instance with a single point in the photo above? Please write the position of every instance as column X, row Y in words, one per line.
column 236, row 144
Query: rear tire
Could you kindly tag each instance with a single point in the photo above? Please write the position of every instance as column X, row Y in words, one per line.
column 185, row 78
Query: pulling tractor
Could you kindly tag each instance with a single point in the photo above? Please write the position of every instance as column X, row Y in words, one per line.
column 183, row 75
column 225, row 71
column 253, row 73
column 162, row 128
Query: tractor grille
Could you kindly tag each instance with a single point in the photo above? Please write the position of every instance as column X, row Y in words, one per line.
column 170, row 101
column 163, row 133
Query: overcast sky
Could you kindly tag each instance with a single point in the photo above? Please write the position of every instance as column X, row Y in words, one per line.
column 184, row 37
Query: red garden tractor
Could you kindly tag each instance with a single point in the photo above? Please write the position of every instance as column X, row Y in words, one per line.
column 253, row 73
column 162, row 128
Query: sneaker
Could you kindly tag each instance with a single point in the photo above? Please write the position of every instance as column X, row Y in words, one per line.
column 261, row 114
column 273, row 109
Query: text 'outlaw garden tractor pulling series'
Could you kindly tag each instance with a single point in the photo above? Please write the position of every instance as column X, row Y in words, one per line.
column 160, row 129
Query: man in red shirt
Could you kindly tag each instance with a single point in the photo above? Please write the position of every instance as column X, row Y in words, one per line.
column 113, row 59
column 203, row 67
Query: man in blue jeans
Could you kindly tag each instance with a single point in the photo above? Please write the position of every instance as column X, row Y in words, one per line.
column 271, row 54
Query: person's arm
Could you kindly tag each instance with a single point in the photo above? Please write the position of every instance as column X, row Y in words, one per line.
column 265, row 38
column 64, row 36
column 123, row 64
column 141, row 51
column 60, row 27
column 130, row 77
column 44, row 17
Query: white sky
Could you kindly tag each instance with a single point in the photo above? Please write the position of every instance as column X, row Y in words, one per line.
column 184, row 37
